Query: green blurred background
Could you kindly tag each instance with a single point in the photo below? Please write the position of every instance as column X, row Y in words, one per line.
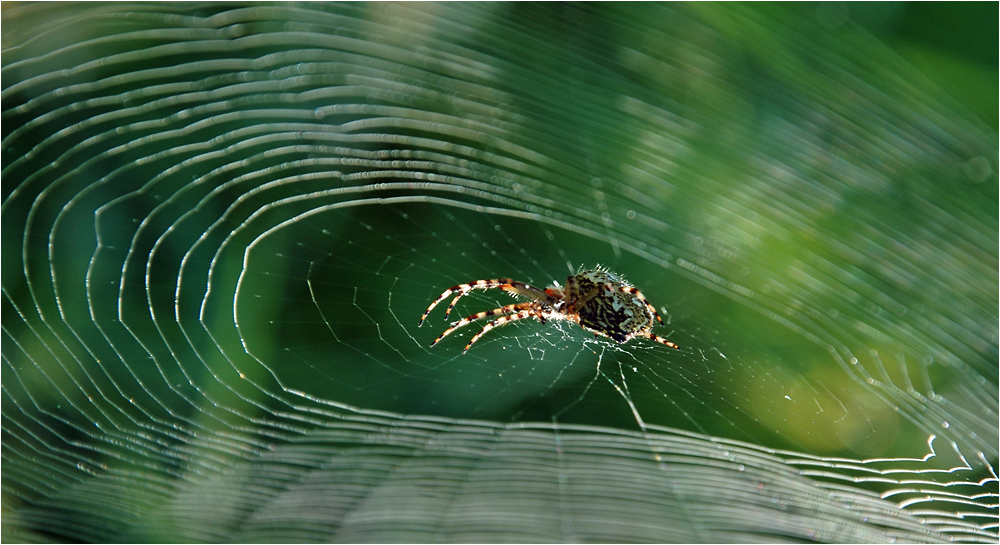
column 949, row 42
column 221, row 223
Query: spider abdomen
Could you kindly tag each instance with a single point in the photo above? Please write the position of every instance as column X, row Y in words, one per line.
column 616, row 314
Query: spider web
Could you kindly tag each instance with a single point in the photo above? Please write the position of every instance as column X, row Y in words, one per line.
column 222, row 224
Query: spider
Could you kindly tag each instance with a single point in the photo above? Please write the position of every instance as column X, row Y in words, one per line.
column 597, row 300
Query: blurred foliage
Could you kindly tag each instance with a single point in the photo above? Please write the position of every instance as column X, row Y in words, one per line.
column 221, row 222
column 949, row 42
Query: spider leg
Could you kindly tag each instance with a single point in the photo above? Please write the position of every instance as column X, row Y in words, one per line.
column 635, row 291
column 661, row 340
column 583, row 299
column 572, row 289
column 506, row 284
column 527, row 290
column 500, row 322
column 479, row 316
column 463, row 289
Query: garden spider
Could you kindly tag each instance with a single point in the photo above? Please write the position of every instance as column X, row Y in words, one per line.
column 597, row 300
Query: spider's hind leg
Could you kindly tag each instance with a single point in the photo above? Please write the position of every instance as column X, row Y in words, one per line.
column 661, row 340
column 635, row 291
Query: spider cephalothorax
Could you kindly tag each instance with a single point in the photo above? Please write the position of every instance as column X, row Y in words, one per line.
column 598, row 300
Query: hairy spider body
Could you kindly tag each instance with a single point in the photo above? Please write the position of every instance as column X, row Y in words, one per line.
column 599, row 300
column 619, row 314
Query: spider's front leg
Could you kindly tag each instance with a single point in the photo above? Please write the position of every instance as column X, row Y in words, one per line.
column 462, row 289
column 506, row 284
column 479, row 316
column 501, row 322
